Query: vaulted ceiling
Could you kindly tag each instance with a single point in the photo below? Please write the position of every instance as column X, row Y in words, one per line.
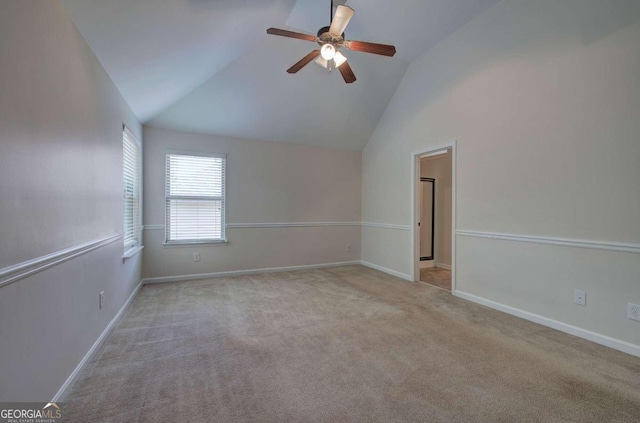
column 208, row 65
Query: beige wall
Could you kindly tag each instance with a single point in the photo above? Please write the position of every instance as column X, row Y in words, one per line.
column 61, row 186
column 543, row 100
column 439, row 168
column 267, row 182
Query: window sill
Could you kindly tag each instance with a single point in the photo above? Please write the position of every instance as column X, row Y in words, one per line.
column 131, row 252
column 180, row 244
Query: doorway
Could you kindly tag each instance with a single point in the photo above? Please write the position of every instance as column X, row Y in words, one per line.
column 434, row 212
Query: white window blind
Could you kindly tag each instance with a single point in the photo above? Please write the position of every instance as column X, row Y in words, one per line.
column 195, row 194
column 131, row 197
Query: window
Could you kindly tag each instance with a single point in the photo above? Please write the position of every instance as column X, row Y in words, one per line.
column 195, row 193
column 131, row 189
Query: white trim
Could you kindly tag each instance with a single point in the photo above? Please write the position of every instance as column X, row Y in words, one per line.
column 195, row 153
column 168, row 197
column 565, row 242
column 387, row 226
column 290, row 224
column 426, row 264
column 95, row 347
column 166, row 279
column 203, row 243
column 554, row 324
column 132, row 252
column 434, row 156
column 443, row 266
column 272, row 225
column 387, row 271
column 22, row 270
column 415, row 245
column 153, row 227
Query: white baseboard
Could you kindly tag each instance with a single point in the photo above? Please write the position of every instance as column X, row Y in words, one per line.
column 443, row 266
column 388, row 271
column 94, row 348
column 166, row 279
column 427, row 264
column 616, row 344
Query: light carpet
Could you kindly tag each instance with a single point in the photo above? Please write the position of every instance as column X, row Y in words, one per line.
column 346, row 344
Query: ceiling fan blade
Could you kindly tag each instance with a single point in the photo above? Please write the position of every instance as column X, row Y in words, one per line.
column 365, row 47
column 304, row 62
column 291, row 34
column 340, row 20
column 347, row 73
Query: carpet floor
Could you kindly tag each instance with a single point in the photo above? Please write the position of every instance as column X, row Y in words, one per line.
column 345, row 344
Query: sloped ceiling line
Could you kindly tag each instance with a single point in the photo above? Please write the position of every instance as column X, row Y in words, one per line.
column 207, row 65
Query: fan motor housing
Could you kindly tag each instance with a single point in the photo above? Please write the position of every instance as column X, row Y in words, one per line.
column 323, row 30
column 325, row 37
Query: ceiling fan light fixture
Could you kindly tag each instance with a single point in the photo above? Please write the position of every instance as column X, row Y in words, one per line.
column 330, row 39
column 339, row 59
column 328, row 51
column 322, row 62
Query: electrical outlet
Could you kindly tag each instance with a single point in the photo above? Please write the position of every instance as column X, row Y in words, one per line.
column 580, row 298
column 196, row 257
column 348, row 248
column 101, row 297
column 634, row 312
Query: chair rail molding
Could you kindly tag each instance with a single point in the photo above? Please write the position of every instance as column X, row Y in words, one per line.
column 270, row 225
column 289, row 224
column 565, row 242
column 298, row 225
column 386, row 226
column 25, row 269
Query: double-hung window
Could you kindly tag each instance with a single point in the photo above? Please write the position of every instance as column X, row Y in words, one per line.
column 195, row 198
column 131, row 165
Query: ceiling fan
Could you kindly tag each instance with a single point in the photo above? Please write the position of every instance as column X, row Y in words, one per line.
column 331, row 39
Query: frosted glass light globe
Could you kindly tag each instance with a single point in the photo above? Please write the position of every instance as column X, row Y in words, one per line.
column 328, row 52
column 339, row 59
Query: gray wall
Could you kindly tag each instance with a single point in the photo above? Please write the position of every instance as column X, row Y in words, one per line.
column 543, row 99
column 61, row 186
column 267, row 182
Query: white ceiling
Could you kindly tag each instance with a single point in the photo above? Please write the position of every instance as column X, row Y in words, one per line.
column 208, row 65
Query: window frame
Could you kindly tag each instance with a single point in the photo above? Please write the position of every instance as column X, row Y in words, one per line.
column 132, row 247
column 167, row 198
